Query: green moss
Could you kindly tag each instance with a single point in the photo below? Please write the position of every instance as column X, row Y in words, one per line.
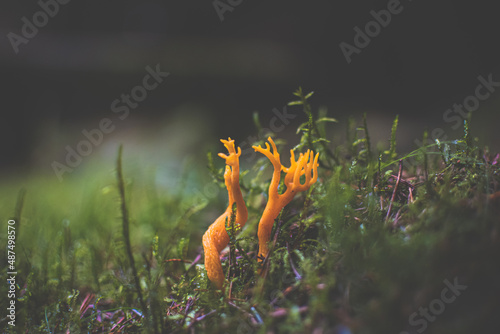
column 372, row 242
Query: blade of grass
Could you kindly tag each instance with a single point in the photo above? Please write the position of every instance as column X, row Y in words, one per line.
column 126, row 230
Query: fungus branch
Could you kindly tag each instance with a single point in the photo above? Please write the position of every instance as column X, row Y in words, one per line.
column 306, row 165
column 216, row 238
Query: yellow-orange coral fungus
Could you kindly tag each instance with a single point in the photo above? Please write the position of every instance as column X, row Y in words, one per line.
column 216, row 238
column 307, row 165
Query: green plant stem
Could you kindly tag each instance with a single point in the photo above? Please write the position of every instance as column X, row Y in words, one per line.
column 19, row 209
column 313, row 126
column 126, row 231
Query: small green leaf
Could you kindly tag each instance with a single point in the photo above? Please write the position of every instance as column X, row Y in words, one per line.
column 327, row 119
column 155, row 245
column 309, row 95
column 256, row 121
column 298, row 92
column 359, row 141
column 302, row 127
column 299, row 146
column 321, row 140
column 182, row 247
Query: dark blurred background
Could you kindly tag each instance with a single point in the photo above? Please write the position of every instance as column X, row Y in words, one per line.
column 65, row 78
